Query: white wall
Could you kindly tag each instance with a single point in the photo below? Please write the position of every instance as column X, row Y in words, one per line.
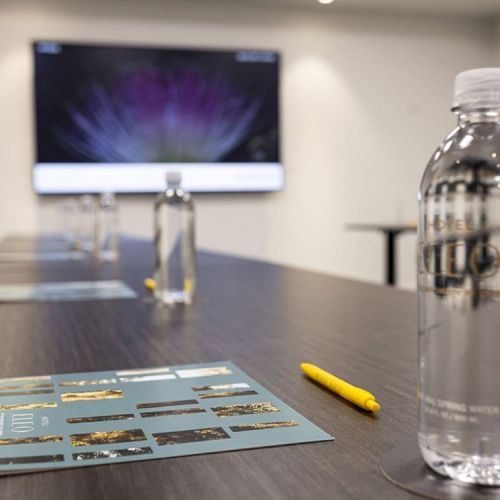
column 497, row 44
column 365, row 100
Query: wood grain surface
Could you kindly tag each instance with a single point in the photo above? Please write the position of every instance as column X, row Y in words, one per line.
column 263, row 317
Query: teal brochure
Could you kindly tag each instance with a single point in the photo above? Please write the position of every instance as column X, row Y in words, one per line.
column 81, row 419
column 66, row 291
column 42, row 257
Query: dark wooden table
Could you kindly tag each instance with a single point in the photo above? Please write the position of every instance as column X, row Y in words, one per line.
column 391, row 233
column 265, row 318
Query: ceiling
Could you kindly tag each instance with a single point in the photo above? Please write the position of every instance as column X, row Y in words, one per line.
column 476, row 8
column 483, row 9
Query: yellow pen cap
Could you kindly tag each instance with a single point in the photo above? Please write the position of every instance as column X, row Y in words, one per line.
column 150, row 283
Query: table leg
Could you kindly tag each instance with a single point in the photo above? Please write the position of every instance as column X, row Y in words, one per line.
column 391, row 257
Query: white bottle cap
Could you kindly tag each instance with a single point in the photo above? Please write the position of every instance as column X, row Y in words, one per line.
column 174, row 179
column 107, row 200
column 477, row 88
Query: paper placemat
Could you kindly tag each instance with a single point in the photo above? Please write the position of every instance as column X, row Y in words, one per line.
column 42, row 256
column 66, row 291
column 82, row 419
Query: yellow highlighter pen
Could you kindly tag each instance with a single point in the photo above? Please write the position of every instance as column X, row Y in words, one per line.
column 150, row 284
column 355, row 395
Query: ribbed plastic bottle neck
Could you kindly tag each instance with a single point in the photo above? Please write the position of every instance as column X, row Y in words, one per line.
column 470, row 116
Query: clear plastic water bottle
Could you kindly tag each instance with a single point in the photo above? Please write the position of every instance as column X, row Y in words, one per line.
column 175, row 265
column 107, row 228
column 69, row 221
column 88, row 222
column 459, row 289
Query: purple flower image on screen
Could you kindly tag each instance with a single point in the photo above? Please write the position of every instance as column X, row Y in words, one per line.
column 152, row 115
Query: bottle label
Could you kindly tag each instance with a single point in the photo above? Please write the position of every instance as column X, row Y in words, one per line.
column 453, row 411
column 453, row 255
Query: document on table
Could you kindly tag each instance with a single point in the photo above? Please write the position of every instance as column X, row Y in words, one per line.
column 82, row 419
column 42, row 256
column 66, row 291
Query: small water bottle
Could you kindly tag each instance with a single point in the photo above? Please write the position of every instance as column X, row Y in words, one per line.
column 107, row 228
column 69, row 221
column 88, row 223
column 459, row 289
column 175, row 264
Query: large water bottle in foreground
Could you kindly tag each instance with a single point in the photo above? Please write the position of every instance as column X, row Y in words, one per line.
column 175, row 264
column 459, row 289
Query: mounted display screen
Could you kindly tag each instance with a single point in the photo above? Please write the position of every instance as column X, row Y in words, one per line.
column 117, row 118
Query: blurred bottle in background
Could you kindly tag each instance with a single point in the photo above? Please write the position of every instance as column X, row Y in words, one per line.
column 175, row 264
column 107, row 228
column 69, row 222
column 87, row 223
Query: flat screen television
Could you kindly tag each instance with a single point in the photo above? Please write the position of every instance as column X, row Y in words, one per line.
column 117, row 118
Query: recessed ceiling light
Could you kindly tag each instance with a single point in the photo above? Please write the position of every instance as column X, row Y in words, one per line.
column 325, row 1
